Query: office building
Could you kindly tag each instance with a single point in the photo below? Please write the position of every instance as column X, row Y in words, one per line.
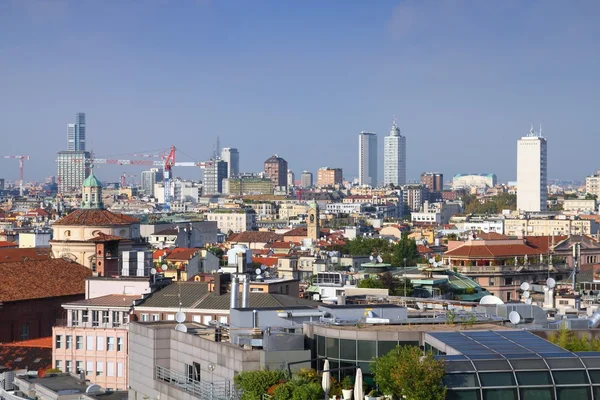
column 394, row 158
column 434, row 181
column 476, row 181
column 76, row 134
column 592, row 184
column 276, row 169
column 149, row 179
column 367, row 159
column 248, row 185
column 73, row 168
column 329, row 177
column 291, row 178
column 232, row 157
column 306, row 181
column 532, row 164
column 214, row 173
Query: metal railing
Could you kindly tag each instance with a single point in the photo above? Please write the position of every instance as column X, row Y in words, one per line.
column 219, row 390
column 4, row 395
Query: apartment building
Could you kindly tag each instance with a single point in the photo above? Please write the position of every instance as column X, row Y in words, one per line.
column 560, row 225
column 239, row 220
column 327, row 176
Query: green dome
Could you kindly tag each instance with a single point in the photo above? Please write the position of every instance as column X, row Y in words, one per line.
column 92, row 181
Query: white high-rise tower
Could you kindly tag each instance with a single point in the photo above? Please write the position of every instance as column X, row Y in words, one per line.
column 394, row 158
column 532, row 165
column 232, row 157
column 367, row 159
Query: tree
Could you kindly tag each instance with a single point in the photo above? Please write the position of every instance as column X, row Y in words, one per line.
column 405, row 249
column 406, row 373
column 568, row 340
column 254, row 384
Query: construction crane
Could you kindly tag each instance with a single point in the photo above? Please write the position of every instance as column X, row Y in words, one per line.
column 21, row 159
column 167, row 163
column 124, row 179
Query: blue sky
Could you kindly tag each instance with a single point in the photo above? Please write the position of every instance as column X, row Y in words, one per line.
column 464, row 79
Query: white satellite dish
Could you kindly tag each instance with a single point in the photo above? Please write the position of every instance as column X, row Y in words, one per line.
column 153, row 271
column 263, row 267
column 546, row 288
column 525, row 286
column 379, row 259
column 550, row 282
column 371, row 258
column 93, row 389
column 514, row 317
column 181, row 328
column 431, row 260
column 164, row 267
column 258, row 271
column 490, row 300
column 180, row 317
column 352, row 269
column 526, row 294
column 220, row 271
column 528, row 301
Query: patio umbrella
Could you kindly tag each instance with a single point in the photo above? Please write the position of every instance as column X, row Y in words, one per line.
column 326, row 381
column 358, row 385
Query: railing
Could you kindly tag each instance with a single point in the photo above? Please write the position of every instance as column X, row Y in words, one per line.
column 4, row 395
column 220, row 390
column 91, row 324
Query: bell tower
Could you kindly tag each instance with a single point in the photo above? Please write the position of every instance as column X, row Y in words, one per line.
column 91, row 192
column 313, row 228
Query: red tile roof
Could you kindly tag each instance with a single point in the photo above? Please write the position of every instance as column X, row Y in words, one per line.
column 491, row 236
column 255, row 237
column 268, row 261
column 160, row 253
column 31, row 253
column 181, row 254
column 32, row 355
column 543, row 243
column 5, row 244
column 424, row 250
column 103, row 237
column 37, row 212
column 45, row 342
column 469, row 250
column 279, row 245
column 96, row 218
column 28, row 280
column 303, row 232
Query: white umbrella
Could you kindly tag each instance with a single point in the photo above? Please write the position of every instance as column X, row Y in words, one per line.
column 358, row 385
column 326, row 381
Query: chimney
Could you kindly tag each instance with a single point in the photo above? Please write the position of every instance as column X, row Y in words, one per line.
column 235, row 289
column 246, row 293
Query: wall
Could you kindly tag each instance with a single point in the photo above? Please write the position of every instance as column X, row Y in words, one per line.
column 96, row 287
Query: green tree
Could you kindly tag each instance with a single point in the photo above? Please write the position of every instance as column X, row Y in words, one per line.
column 494, row 205
column 405, row 249
column 254, row 384
column 569, row 340
column 370, row 283
column 405, row 372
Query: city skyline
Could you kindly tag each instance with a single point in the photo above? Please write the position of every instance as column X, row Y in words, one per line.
column 451, row 72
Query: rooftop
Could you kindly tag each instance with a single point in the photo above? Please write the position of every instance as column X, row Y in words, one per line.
column 255, row 237
column 95, row 217
column 25, row 254
column 111, row 300
column 29, row 354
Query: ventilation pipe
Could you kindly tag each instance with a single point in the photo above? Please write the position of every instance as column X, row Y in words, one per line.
column 254, row 319
column 594, row 320
column 246, row 293
column 235, row 289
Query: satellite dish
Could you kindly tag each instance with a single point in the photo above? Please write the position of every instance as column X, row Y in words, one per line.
column 371, row 258
column 528, row 301
column 181, row 328
column 153, row 271
column 263, row 267
column 164, row 267
column 379, row 259
column 489, row 300
column 258, row 271
column 525, row 286
column 93, row 389
column 352, row 269
column 431, row 260
column 526, row 294
column 220, row 271
column 550, row 282
column 514, row 317
column 180, row 317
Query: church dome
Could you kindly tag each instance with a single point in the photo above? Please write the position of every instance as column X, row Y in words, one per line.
column 92, row 181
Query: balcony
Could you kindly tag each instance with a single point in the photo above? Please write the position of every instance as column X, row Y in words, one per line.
column 93, row 324
column 221, row 390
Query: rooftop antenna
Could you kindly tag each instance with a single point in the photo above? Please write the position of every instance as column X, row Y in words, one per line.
column 540, row 129
column 531, row 132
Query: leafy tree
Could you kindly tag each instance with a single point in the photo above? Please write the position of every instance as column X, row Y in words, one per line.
column 495, row 205
column 406, row 248
column 395, row 285
column 568, row 340
column 254, row 384
column 406, row 373
column 590, row 196
column 370, row 283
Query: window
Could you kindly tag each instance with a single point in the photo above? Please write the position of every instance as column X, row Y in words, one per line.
column 119, row 343
column 170, row 317
column 89, row 368
column 95, row 318
column 119, row 369
column 84, row 316
column 78, row 366
column 110, row 369
column 508, row 296
column 99, row 368
column 508, row 281
column 491, row 281
column 25, row 331
column 144, row 317
column 78, row 342
column 155, row 317
column 69, row 366
column 58, row 341
column 58, row 365
column 116, row 318
column 89, row 343
column 74, row 318
column 110, row 343
column 69, row 342
column 196, row 318
column 348, row 349
column 100, row 343
column 105, row 318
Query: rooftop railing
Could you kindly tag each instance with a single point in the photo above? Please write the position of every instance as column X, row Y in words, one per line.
column 219, row 390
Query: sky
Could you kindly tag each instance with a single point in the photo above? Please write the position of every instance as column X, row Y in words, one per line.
column 301, row 79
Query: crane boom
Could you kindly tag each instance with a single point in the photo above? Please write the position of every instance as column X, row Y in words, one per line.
column 21, row 159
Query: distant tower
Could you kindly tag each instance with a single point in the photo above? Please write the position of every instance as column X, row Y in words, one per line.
column 367, row 159
column 91, row 191
column 394, row 158
column 149, row 179
column 232, row 157
column 291, row 178
column 276, row 169
column 76, row 134
column 306, row 181
column 312, row 224
column 214, row 174
column 532, row 166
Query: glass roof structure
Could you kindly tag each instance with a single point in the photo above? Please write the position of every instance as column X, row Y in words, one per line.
column 506, row 365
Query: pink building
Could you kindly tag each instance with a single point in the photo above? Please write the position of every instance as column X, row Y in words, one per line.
column 93, row 339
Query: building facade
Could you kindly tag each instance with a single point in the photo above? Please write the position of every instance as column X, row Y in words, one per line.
column 73, row 168
column 478, row 181
column 276, row 169
column 592, row 184
column 532, row 164
column 394, row 158
column 150, row 179
column 249, row 185
column 434, row 181
column 327, row 176
column 306, row 180
column 232, row 157
column 214, row 173
column 233, row 220
column 76, row 134
column 291, row 178
column 414, row 195
column 367, row 159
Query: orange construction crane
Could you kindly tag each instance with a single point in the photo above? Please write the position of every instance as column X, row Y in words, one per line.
column 21, row 159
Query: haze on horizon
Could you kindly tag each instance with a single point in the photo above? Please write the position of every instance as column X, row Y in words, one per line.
column 464, row 79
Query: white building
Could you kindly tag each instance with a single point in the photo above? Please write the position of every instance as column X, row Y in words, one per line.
column 291, row 178
column 181, row 191
column 345, row 208
column 592, row 184
column 532, row 164
column 306, row 179
column 233, row 220
column 579, row 205
column 483, row 224
column 232, row 157
column 469, row 181
column 436, row 213
column 367, row 159
column 149, row 179
column 394, row 158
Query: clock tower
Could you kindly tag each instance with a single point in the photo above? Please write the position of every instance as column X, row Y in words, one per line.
column 313, row 229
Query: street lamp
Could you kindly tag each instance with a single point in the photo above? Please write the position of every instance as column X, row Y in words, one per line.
column 404, row 277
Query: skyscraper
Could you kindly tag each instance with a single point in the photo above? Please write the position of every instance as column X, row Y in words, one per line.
column 76, row 134
column 291, row 178
column 306, row 180
column 232, row 157
column 367, row 159
column 213, row 177
column 149, row 179
column 532, row 165
column 394, row 158
column 276, row 169
column 73, row 168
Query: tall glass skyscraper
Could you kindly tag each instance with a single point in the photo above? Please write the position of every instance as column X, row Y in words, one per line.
column 76, row 134
column 232, row 157
column 394, row 158
column 367, row 159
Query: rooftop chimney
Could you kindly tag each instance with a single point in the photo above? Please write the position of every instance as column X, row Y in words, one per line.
column 246, row 293
column 235, row 289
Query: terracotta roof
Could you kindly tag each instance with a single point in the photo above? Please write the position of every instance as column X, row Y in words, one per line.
column 31, row 253
column 167, row 232
column 4, row 243
column 28, row 356
column 268, row 261
column 96, row 218
column 422, row 249
column 301, row 231
column 469, row 250
column 255, row 237
column 41, row 279
column 103, row 237
column 160, row 253
column 111, row 300
column 37, row 212
column 182, row 254
column 491, row 236
column 543, row 243
column 45, row 342
column 279, row 245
